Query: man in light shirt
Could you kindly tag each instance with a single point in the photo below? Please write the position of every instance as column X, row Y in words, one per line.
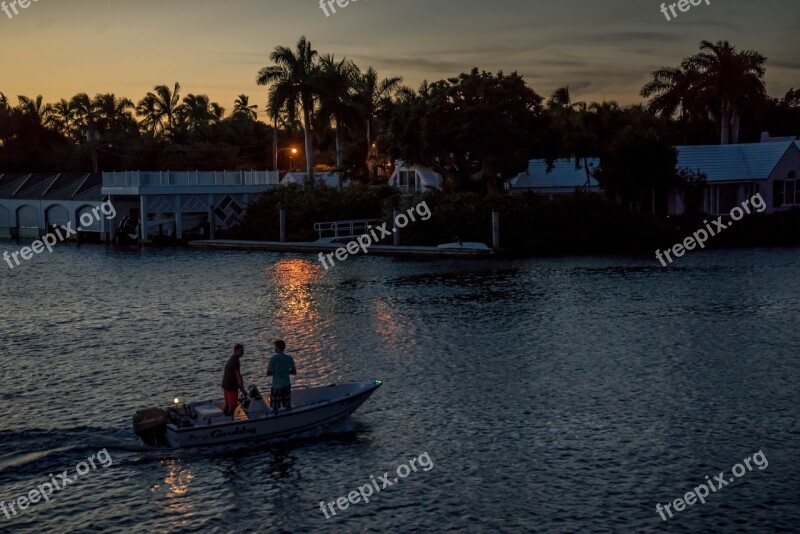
column 281, row 366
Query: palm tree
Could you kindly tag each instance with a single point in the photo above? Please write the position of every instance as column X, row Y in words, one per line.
column 561, row 99
column 196, row 110
column 571, row 123
column 292, row 82
column 217, row 112
column 603, row 121
column 162, row 105
column 113, row 114
column 672, row 90
column 335, row 98
column 61, row 118
column 728, row 79
column 718, row 79
column 35, row 108
column 147, row 109
column 243, row 110
column 84, row 115
column 373, row 98
column 5, row 123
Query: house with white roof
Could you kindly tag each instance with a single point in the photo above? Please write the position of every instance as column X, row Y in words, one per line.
column 565, row 178
column 735, row 173
column 414, row 179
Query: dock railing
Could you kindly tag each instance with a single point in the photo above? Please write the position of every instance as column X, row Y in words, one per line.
column 189, row 178
column 336, row 230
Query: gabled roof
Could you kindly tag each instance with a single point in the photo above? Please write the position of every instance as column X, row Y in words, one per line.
column 563, row 175
column 66, row 186
column 731, row 163
column 10, row 182
column 430, row 177
column 36, row 185
column 51, row 186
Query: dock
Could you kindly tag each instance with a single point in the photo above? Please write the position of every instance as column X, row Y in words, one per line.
column 316, row 247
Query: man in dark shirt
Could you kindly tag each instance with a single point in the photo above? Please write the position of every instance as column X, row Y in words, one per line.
column 232, row 380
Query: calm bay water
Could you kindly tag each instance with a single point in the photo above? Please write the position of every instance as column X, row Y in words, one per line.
column 556, row 395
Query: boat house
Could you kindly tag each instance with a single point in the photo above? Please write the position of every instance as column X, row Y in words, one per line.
column 31, row 204
column 176, row 203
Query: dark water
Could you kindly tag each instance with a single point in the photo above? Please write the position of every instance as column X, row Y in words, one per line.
column 558, row 395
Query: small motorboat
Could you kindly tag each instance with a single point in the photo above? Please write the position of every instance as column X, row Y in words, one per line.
column 205, row 423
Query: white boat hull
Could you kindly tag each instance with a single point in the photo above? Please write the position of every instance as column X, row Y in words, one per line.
column 465, row 246
column 312, row 408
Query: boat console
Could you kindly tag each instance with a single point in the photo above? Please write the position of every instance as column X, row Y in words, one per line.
column 210, row 414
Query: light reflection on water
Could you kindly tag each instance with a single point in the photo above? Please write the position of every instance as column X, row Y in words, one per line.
column 553, row 395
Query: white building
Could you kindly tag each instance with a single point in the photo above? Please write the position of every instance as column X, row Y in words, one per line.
column 31, row 204
column 734, row 173
column 173, row 203
column 414, row 179
column 565, row 178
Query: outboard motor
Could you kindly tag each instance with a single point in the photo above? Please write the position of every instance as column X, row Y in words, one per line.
column 151, row 426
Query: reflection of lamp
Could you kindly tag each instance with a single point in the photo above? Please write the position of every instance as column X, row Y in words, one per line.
column 177, row 481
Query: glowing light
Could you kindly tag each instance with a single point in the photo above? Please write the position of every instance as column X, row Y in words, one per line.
column 177, row 401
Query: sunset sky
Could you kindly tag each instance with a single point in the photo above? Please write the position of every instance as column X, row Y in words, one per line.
column 600, row 49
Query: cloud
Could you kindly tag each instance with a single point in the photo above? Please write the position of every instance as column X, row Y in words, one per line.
column 420, row 64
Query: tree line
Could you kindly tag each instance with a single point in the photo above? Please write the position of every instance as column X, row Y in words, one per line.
column 478, row 129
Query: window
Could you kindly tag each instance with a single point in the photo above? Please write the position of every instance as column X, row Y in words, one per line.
column 407, row 179
column 749, row 191
column 793, row 177
column 777, row 193
column 789, row 191
column 727, row 197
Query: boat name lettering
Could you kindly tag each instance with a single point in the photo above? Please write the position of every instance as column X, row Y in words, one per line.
column 235, row 432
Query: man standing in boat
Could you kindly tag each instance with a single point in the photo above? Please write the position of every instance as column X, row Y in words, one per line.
column 232, row 380
column 281, row 365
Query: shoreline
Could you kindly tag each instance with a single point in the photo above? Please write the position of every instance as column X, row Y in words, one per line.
column 316, row 248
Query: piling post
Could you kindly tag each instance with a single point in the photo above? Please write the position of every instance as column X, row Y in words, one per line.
column 143, row 219
column 396, row 230
column 495, row 229
column 282, row 216
column 111, row 230
column 212, row 223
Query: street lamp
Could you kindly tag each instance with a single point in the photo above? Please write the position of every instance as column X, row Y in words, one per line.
column 292, row 150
